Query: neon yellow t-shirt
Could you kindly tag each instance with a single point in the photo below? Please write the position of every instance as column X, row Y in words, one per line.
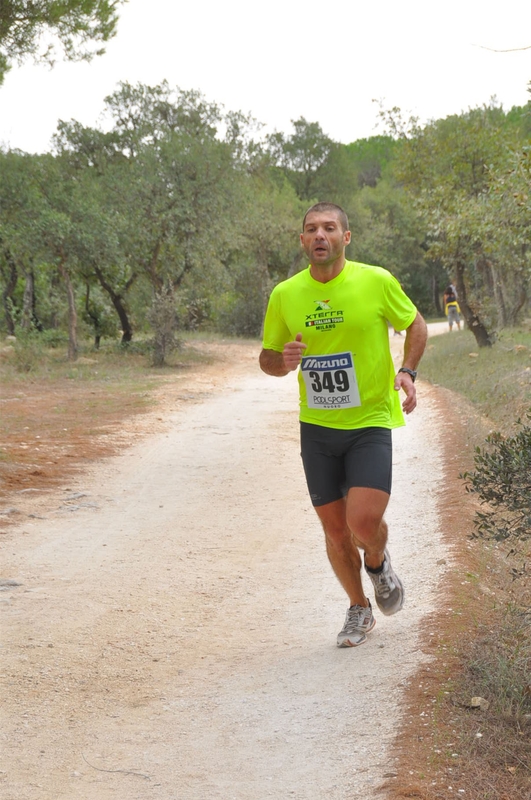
column 345, row 321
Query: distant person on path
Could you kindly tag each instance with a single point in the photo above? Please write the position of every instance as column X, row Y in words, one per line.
column 451, row 307
column 331, row 320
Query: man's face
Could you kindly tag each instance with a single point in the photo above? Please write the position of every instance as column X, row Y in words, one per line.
column 323, row 239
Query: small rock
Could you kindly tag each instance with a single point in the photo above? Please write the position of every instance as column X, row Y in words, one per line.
column 7, row 583
column 7, row 511
column 479, row 702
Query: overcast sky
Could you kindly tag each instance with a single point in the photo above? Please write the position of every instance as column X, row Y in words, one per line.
column 285, row 59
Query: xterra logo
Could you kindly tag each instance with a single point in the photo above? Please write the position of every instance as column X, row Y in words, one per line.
column 323, row 318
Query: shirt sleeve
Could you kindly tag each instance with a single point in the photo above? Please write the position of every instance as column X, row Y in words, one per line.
column 400, row 311
column 276, row 332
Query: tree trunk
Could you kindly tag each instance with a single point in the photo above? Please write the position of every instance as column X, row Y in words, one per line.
column 521, row 300
column 117, row 301
column 28, row 302
column 55, row 284
column 482, row 336
column 72, row 314
column 163, row 322
column 497, row 290
column 29, row 319
column 7, row 294
column 37, row 324
column 94, row 319
column 294, row 266
column 435, row 295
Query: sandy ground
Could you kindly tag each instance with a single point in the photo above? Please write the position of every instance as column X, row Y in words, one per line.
column 171, row 633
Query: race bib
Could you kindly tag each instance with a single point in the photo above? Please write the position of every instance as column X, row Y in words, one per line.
column 330, row 381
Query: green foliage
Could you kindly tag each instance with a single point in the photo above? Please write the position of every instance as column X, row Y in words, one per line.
column 175, row 190
column 371, row 157
column 301, row 155
column 469, row 181
column 386, row 230
column 53, row 338
column 77, row 25
column 28, row 350
column 502, row 480
column 97, row 314
column 240, row 311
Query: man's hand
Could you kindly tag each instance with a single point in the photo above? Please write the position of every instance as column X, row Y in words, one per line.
column 405, row 382
column 416, row 337
column 278, row 364
column 292, row 353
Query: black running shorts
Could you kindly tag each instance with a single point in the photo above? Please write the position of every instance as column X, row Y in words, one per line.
column 336, row 460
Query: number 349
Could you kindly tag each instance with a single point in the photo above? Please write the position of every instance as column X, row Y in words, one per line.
column 330, row 381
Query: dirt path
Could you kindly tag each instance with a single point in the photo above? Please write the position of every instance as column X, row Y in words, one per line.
column 173, row 633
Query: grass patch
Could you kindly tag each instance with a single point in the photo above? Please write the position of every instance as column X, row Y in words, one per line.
column 30, row 359
column 494, row 742
column 496, row 380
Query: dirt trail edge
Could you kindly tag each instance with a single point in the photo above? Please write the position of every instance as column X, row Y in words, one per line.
column 173, row 632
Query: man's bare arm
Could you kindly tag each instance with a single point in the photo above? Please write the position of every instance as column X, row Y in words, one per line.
column 416, row 338
column 272, row 363
column 415, row 344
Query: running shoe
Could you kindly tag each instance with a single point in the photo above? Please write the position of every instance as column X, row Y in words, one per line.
column 358, row 623
column 388, row 588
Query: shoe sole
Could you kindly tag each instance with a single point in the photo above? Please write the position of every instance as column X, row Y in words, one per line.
column 348, row 643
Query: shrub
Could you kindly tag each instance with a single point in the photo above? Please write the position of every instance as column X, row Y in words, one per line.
column 502, row 480
column 54, row 338
column 28, row 351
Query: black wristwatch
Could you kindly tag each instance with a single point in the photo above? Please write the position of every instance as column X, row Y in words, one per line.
column 412, row 372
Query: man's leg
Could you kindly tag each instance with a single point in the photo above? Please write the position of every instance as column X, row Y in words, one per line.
column 365, row 510
column 342, row 551
column 345, row 559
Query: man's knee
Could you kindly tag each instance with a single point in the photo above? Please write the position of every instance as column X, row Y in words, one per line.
column 337, row 534
column 365, row 524
column 342, row 542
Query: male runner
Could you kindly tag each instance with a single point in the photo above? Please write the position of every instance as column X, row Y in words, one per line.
column 332, row 320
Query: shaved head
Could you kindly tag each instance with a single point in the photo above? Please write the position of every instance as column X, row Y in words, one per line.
column 319, row 208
